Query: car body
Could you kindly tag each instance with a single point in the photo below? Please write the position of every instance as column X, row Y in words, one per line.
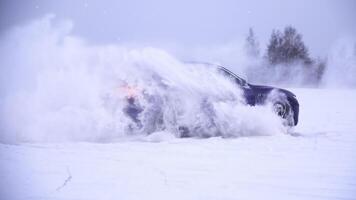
column 284, row 102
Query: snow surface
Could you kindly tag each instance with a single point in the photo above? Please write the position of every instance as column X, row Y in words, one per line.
column 317, row 160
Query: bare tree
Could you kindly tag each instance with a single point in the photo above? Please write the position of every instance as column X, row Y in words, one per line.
column 252, row 46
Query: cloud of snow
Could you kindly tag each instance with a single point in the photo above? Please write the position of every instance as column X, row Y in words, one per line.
column 341, row 68
column 55, row 87
column 339, row 71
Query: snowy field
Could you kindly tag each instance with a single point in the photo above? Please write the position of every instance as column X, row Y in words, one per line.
column 316, row 161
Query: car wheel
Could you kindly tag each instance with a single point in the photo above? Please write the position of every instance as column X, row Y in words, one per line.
column 280, row 109
column 283, row 110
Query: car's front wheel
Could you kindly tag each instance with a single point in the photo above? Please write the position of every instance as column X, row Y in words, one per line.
column 283, row 110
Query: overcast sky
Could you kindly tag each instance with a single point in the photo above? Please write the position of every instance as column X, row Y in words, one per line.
column 192, row 23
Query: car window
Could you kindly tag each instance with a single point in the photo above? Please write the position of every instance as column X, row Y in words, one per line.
column 233, row 77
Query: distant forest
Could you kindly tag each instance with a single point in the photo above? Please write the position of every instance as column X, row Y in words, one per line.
column 286, row 59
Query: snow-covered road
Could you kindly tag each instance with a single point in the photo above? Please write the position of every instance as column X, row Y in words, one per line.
column 318, row 161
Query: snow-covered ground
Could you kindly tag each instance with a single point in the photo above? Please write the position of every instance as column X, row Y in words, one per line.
column 317, row 161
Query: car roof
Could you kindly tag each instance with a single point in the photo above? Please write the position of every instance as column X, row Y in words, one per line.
column 218, row 66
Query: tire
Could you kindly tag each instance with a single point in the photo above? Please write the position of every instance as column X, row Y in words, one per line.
column 283, row 110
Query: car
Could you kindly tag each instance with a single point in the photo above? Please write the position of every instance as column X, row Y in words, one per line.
column 284, row 102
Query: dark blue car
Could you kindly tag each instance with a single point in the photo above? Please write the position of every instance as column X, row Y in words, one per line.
column 284, row 102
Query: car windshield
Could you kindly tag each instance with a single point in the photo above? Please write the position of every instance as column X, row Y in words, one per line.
column 233, row 76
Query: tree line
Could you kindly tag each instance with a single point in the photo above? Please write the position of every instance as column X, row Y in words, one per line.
column 286, row 58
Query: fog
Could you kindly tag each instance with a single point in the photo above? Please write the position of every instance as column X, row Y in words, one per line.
column 56, row 87
column 61, row 64
column 191, row 24
column 210, row 31
column 117, row 99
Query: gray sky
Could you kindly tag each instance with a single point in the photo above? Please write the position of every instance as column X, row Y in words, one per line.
column 192, row 23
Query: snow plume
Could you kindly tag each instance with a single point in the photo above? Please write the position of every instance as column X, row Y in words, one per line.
column 338, row 70
column 284, row 75
column 341, row 68
column 57, row 88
